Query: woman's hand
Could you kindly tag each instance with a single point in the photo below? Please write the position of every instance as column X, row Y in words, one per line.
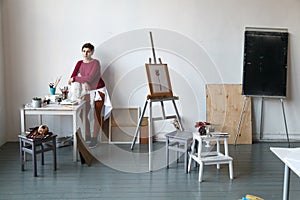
column 86, row 86
column 71, row 80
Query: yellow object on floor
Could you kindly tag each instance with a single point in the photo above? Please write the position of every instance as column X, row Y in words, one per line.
column 252, row 197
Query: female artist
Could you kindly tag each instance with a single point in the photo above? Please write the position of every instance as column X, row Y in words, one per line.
column 88, row 73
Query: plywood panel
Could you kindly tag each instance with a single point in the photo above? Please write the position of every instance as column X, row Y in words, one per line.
column 123, row 122
column 125, row 116
column 224, row 104
column 122, row 134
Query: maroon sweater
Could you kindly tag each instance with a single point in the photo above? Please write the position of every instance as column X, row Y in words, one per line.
column 90, row 73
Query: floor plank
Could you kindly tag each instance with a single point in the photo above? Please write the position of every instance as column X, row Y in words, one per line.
column 257, row 171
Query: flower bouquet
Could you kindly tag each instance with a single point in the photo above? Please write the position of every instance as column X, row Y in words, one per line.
column 203, row 127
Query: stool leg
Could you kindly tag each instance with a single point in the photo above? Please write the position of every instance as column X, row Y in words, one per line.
column 21, row 155
column 43, row 158
column 190, row 158
column 230, row 170
column 34, row 160
column 218, row 150
column 167, row 151
column 200, row 171
column 185, row 157
column 54, row 153
column 177, row 154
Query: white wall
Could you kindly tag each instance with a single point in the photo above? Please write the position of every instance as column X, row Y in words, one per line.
column 202, row 42
column 2, row 89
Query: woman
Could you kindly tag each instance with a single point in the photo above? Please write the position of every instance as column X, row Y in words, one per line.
column 88, row 73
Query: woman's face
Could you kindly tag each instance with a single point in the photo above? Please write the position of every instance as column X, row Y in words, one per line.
column 87, row 53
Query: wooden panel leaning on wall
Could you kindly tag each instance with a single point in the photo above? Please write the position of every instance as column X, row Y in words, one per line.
column 224, row 104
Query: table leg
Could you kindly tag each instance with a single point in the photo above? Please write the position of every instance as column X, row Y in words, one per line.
column 167, row 151
column 22, row 120
column 74, row 136
column 40, row 120
column 286, row 183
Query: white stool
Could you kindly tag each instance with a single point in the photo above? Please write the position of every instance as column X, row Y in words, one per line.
column 179, row 141
column 213, row 157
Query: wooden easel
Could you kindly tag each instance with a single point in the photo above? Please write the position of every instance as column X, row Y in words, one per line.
column 153, row 98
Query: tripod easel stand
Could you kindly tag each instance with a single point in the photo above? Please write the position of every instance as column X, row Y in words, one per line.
column 261, row 120
column 166, row 95
column 152, row 119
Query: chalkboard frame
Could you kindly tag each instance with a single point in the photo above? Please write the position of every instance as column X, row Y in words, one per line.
column 265, row 62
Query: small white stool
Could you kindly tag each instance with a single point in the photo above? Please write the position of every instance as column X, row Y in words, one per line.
column 179, row 141
column 213, row 157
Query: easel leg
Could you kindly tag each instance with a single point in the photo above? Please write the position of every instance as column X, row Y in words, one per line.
column 285, row 124
column 177, row 114
column 138, row 125
column 284, row 118
column 261, row 118
column 241, row 119
column 151, row 126
column 150, row 136
column 163, row 109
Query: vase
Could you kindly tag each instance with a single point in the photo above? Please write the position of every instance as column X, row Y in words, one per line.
column 52, row 90
column 36, row 103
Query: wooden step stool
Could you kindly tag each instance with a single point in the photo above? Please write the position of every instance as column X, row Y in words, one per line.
column 30, row 146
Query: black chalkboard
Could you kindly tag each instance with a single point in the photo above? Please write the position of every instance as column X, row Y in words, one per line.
column 265, row 63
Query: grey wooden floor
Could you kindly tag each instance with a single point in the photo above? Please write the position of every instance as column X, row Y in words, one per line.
column 257, row 171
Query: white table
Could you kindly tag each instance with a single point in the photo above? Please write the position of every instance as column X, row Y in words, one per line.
column 290, row 157
column 57, row 109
